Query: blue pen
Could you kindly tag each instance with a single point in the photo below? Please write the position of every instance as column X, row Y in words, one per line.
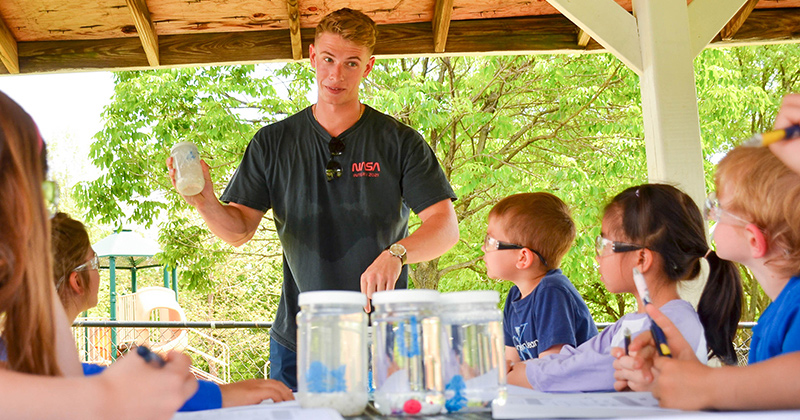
column 658, row 333
column 149, row 356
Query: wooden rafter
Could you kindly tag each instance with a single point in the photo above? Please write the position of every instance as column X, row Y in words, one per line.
column 549, row 34
column 583, row 38
column 733, row 26
column 146, row 29
column 441, row 24
column 294, row 29
column 9, row 55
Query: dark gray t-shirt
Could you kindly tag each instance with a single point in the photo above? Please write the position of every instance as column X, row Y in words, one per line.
column 332, row 231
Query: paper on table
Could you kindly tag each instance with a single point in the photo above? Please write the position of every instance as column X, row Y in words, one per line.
column 288, row 410
column 525, row 403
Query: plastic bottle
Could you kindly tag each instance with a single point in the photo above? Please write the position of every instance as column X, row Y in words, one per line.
column 473, row 363
column 188, row 172
column 332, row 351
column 407, row 354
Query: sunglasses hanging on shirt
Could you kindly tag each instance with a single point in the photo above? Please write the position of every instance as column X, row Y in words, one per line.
column 334, row 169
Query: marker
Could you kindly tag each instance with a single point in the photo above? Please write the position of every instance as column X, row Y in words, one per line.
column 627, row 340
column 149, row 356
column 765, row 139
column 658, row 333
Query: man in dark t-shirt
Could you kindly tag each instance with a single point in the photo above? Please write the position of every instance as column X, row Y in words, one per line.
column 341, row 179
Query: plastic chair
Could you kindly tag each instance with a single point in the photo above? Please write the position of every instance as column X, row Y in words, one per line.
column 159, row 304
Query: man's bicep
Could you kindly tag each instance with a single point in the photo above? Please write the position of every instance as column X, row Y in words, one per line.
column 443, row 208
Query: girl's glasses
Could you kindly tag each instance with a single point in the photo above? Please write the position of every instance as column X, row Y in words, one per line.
column 492, row 244
column 602, row 245
column 92, row 264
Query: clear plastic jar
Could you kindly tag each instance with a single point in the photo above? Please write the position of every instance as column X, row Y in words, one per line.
column 188, row 171
column 473, row 364
column 406, row 359
column 332, row 351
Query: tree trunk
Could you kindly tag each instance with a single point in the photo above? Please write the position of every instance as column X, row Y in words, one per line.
column 426, row 275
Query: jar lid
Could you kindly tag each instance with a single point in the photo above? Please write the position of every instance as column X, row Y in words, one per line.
column 471, row 296
column 340, row 297
column 405, row 296
column 181, row 144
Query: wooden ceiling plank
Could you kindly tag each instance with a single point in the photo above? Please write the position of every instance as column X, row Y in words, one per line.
column 9, row 55
column 528, row 35
column 443, row 11
column 294, row 29
column 146, row 29
column 583, row 38
column 607, row 23
column 727, row 33
column 707, row 18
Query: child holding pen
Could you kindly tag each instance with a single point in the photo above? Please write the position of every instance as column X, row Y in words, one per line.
column 527, row 236
column 758, row 225
column 77, row 281
column 658, row 230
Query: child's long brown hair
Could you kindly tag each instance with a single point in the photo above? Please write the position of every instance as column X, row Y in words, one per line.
column 26, row 291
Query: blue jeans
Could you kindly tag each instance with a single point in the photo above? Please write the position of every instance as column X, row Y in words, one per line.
column 282, row 364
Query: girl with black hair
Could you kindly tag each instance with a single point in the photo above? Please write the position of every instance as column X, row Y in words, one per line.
column 658, row 230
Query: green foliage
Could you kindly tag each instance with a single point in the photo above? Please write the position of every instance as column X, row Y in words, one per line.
column 569, row 124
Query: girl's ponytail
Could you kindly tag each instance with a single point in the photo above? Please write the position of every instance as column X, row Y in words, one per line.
column 720, row 307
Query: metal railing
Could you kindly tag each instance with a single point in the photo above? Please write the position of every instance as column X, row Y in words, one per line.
column 221, row 351
column 229, row 351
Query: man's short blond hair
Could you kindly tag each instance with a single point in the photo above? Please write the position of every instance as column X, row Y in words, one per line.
column 351, row 25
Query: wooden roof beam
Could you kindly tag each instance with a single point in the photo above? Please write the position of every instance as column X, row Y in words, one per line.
column 707, row 18
column 9, row 55
column 607, row 23
column 443, row 10
column 294, row 29
column 733, row 26
column 583, row 38
column 146, row 29
column 528, row 35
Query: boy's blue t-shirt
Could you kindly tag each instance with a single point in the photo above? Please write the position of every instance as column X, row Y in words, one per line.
column 554, row 313
column 778, row 328
column 207, row 397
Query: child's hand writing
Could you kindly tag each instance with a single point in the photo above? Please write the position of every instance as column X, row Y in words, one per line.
column 627, row 376
column 677, row 382
column 639, row 370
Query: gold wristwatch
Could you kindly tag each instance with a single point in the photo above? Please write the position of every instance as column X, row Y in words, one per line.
column 399, row 251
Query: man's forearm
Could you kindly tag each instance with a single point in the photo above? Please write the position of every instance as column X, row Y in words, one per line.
column 437, row 234
column 227, row 222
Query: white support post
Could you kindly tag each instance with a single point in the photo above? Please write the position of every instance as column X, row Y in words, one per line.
column 669, row 102
column 669, row 97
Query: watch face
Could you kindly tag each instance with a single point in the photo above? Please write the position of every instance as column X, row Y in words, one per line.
column 397, row 250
